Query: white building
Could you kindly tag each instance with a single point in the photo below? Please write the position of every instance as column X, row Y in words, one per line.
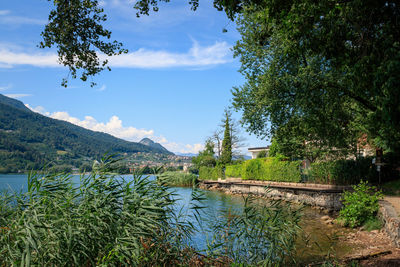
column 256, row 150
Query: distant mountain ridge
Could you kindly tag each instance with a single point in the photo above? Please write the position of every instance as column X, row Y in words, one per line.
column 29, row 139
column 148, row 142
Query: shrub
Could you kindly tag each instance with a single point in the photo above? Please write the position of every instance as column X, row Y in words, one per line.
column 233, row 170
column 178, row 178
column 262, row 154
column 271, row 169
column 209, row 173
column 342, row 172
column 360, row 205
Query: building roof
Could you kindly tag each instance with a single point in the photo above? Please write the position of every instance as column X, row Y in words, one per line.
column 258, row 148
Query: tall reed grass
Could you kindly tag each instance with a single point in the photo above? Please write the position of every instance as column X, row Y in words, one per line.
column 178, row 178
column 108, row 221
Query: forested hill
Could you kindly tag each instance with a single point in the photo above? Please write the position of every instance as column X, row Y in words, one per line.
column 151, row 143
column 28, row 140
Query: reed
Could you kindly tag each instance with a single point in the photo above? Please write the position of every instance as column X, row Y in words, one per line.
column 178, row 178
column 108, row 221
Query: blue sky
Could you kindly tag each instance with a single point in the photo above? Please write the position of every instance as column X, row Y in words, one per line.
column 172, row 86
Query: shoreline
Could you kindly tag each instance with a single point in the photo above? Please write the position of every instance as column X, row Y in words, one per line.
column 374, row 248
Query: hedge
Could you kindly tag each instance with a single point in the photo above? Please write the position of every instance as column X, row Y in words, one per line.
column 233, row 171
column 266, row 169
column 209, row 173
column 342, row 172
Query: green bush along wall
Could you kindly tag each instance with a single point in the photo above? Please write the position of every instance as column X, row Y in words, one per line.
column 209, row 173
column 266, row 169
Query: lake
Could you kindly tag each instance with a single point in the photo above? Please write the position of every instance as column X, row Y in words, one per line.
column 316, row 231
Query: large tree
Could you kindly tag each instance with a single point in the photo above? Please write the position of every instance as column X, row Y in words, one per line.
column 237, row 140
column 325, row 71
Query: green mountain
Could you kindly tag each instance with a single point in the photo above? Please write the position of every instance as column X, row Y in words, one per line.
column 29, row 140
column 148, row 142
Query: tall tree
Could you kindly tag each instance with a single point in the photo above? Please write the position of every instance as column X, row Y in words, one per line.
column 205, row 157
column 226, row 155
column 237, row 140
column 322, row 71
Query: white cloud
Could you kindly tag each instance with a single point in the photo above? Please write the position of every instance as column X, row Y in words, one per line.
column 4, row 12
column 196, row 56
column 6, row 18
column 8, row 57
column 17, row 95
column 102, row 88
column 6, row 87
column 116, row 128
column 219, row 53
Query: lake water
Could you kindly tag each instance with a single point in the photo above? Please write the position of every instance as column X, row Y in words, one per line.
column 314, row 229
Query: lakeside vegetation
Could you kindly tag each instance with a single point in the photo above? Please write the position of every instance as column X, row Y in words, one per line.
column 110, row 221
column 174, row 178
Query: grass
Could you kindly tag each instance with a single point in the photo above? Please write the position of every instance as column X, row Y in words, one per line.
column 109, row 221
column 178, row 178
column 372, row 224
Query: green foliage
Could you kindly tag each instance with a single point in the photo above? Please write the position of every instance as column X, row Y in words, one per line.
column 392, row 188
column 206, row 157
column 360, row 205
column 259, row 235
column 274, row 148
column 177, row 179
column 211, row 173
column 342, row 172
column 262, row 154
column 320, row 71
column 266, row 169
column 105, row 221
column 233, row 170
column 108, row 221
column 226, row 154
column 272, row 169
column 75, row 28
column 373, row 224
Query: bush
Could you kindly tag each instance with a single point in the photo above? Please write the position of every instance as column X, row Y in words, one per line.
column 271, row 169
column 233, row 170
column 208, row 173
column 262, row 154
column 361, row 205
column 177, row 178
column 343, row 172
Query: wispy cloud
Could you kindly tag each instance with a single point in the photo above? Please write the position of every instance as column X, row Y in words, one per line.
column 5, row 87
column 6, row 18
column 12, row 58
column 4, row 12
column 102, row 88
column 17, row 95
column 218, row 53
column 116, row 128
column 196, row 56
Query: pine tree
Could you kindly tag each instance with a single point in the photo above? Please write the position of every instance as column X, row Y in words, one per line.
column 226, row 155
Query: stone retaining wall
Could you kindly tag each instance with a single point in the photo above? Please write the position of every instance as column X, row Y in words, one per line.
column 391, row 221
column 321, row 196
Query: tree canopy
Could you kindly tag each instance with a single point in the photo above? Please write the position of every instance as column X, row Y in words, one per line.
column 321, row 71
